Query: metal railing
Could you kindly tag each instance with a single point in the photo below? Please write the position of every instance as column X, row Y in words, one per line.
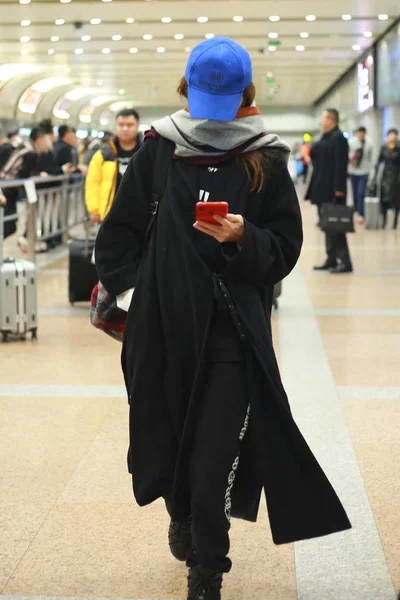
column 54, row 206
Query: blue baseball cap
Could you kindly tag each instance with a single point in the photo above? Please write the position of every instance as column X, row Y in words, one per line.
column 217, row 73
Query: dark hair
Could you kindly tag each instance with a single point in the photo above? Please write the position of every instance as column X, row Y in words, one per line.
column 257, row 162
column 47, row 126
column 107, row 137
column 63, row 130
column 333, row 113
column 36, row 133
column 128, row 112
column 393, row 130
column 12, row 133
column 362, row 129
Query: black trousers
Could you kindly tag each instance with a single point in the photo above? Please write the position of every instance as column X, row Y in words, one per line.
column 337, row 248
column 222, row 424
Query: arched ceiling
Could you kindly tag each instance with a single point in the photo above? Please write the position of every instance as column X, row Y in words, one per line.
column 113, row 59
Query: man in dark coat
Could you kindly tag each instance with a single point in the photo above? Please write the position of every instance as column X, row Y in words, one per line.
column 330, row 156
column 22, row 164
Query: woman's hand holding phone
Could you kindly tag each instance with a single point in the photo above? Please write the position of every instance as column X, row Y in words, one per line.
column 231, row 229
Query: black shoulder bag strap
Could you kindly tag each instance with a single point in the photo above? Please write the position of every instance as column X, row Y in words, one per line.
column 162, row 163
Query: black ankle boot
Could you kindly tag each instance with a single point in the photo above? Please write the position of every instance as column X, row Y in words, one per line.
column 204, row 584
column 180, row 538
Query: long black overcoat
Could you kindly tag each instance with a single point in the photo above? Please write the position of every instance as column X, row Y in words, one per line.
column 389, row 184
column 166, row 334
column 330, row 158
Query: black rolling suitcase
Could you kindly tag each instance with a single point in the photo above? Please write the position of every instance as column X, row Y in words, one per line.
column 82, row 272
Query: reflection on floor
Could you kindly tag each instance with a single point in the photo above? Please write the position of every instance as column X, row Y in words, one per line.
column 68, row 524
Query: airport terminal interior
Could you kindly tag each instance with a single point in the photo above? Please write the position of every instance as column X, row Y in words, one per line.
column 69, row 524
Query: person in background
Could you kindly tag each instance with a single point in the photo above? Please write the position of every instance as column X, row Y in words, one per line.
column 6, row 149
column 360, row 166
column 23, row 163
column 306, row 155
column 65, row 147
column 330, row 157
column 83, row 146
column 47, row 160
column 14, row 138
column 95, row 145
column 109, row 164
column 388, row 176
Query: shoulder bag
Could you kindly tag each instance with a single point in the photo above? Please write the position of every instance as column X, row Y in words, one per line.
column 337, row 218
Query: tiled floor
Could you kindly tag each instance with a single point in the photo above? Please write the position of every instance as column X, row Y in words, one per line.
column 68, row 524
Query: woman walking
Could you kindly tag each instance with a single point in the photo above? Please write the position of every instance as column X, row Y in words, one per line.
column 210, row 423
column 388, row 175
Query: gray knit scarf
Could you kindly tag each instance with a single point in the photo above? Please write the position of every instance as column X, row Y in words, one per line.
column 201, row 137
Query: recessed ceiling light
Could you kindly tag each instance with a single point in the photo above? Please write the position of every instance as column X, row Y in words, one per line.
column 65, row 1
column 383, row 17
column 274, row 18
column 160, row 50
column 25, row 39
column 50, row 51
column 179, row 36
column 300, row 48
column 209, row 36
column 99, row 82
column 121, row 91
column 147, row 37
column 356, row 47
column 238, row 19
column 130, row 20
column 25, row 23
column 24, row 1
column 368, row 34
column 54, row 38
column 106, row 0
column 273, row 35
column 106, row 50
column 24, row 52
column 311, row 18
column 272, row 48
column 188, row 49
column 117, row 38
column 166, row 20
column 346, row 17
column 133, row 50
column 59, row 21
column 78, row 50
column 304, row 35
column 202, row 20
column 86, row 38
column 95, row 21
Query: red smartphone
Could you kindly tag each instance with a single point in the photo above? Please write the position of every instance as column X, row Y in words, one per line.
column 205, row 211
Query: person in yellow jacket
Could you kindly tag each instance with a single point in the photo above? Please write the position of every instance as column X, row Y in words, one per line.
column 109, row 164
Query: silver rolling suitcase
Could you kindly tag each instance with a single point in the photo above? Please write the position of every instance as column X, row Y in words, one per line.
column 18, row 304
column 372, row 212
